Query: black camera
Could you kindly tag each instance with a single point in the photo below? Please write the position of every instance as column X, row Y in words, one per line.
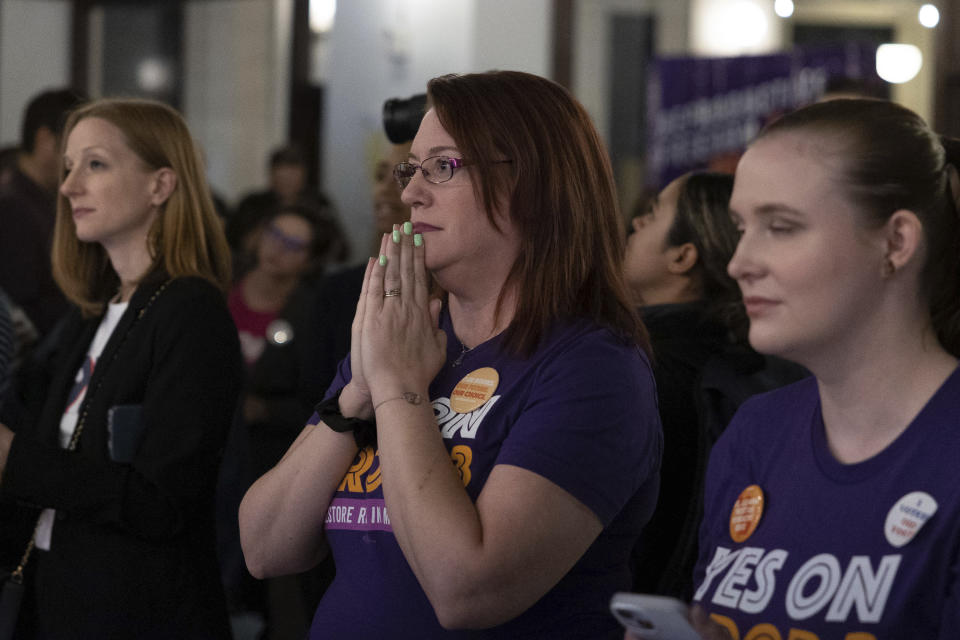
column 402, row 116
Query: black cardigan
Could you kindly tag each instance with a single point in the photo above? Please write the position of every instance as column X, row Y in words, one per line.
column 133, row 547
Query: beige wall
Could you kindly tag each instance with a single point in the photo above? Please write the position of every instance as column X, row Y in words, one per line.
column 34, row 55
column 236, row 90
column 917, row 94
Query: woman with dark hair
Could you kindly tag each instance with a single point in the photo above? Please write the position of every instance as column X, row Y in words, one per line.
column 831, row 507
column 270, row 306
column 676, row 265
column 293, row 247
column 516, row 443
column 123, row 457
column 679, row 246
column 289, row 378
column 289, row 185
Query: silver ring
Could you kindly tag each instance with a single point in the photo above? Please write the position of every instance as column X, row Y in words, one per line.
column 392, row 293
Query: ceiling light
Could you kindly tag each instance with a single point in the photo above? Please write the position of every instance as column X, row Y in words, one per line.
column 929, row 16
column 783, row 8
column 898, row 63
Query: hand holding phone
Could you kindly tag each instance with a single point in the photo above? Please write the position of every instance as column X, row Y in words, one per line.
column 650, row 617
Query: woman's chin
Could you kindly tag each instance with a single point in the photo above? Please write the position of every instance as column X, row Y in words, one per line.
column 86, row 236
column 768, row 342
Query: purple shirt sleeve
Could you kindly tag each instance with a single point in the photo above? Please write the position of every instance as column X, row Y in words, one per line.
column 586, row 428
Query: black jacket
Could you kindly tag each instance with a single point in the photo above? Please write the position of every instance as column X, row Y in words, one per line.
column 702, row 378
column 133, row 547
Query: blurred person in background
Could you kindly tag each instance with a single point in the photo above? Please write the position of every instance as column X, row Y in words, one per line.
column 8, row 163
column 336, row 300
column 292, row 251
column 27, row 210
column 675, row 264
column 315, row 340
column 287, row 184
column 270, row 306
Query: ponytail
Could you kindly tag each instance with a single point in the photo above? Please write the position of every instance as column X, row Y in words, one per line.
column 943, row 262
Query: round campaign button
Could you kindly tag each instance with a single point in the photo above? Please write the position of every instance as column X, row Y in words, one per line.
column 908, row 516
column 746, row 513
column 474, row 389
column 279, row 332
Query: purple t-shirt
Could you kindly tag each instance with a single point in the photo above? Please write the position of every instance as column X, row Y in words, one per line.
column 580, row 412
column 869, row 548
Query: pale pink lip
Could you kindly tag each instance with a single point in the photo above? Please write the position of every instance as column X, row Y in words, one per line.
column 423, row 227
column 757, row 306
column 80, row 211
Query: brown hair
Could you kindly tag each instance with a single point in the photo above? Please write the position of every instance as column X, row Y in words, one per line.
column 186, row 239
column 703, row 219
column 561, row 196
column 891, row 160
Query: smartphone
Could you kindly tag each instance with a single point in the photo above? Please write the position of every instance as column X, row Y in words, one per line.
column 652, row 617
column 125, row 429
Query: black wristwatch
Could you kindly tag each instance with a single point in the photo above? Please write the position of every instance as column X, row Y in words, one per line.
column 364, row 431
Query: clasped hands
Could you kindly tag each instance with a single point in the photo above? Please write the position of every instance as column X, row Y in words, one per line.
column 396, row 345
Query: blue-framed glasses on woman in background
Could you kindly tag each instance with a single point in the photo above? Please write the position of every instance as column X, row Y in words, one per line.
column 289, row 243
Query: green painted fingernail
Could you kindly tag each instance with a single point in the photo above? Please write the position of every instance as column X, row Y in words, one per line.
column 407, row 228
column 396, row 236
column 418, row 240
column 383, row 260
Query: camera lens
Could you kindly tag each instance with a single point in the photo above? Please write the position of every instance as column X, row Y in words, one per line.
column 402, row 116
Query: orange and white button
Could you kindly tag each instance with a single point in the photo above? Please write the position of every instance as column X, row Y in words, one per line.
column 474, row 390
column 746, row 514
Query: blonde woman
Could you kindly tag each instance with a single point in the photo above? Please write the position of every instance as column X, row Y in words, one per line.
column 123, row 458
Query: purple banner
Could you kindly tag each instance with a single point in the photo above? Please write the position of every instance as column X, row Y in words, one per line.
column 702, row 112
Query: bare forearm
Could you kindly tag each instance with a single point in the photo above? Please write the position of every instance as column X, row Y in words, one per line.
column 282, row 514
column 480, row 564
column 435, row 522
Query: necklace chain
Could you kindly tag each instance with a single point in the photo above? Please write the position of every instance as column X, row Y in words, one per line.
column 463, row 351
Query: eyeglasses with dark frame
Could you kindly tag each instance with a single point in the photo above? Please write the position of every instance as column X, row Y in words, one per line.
column 435, row 169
